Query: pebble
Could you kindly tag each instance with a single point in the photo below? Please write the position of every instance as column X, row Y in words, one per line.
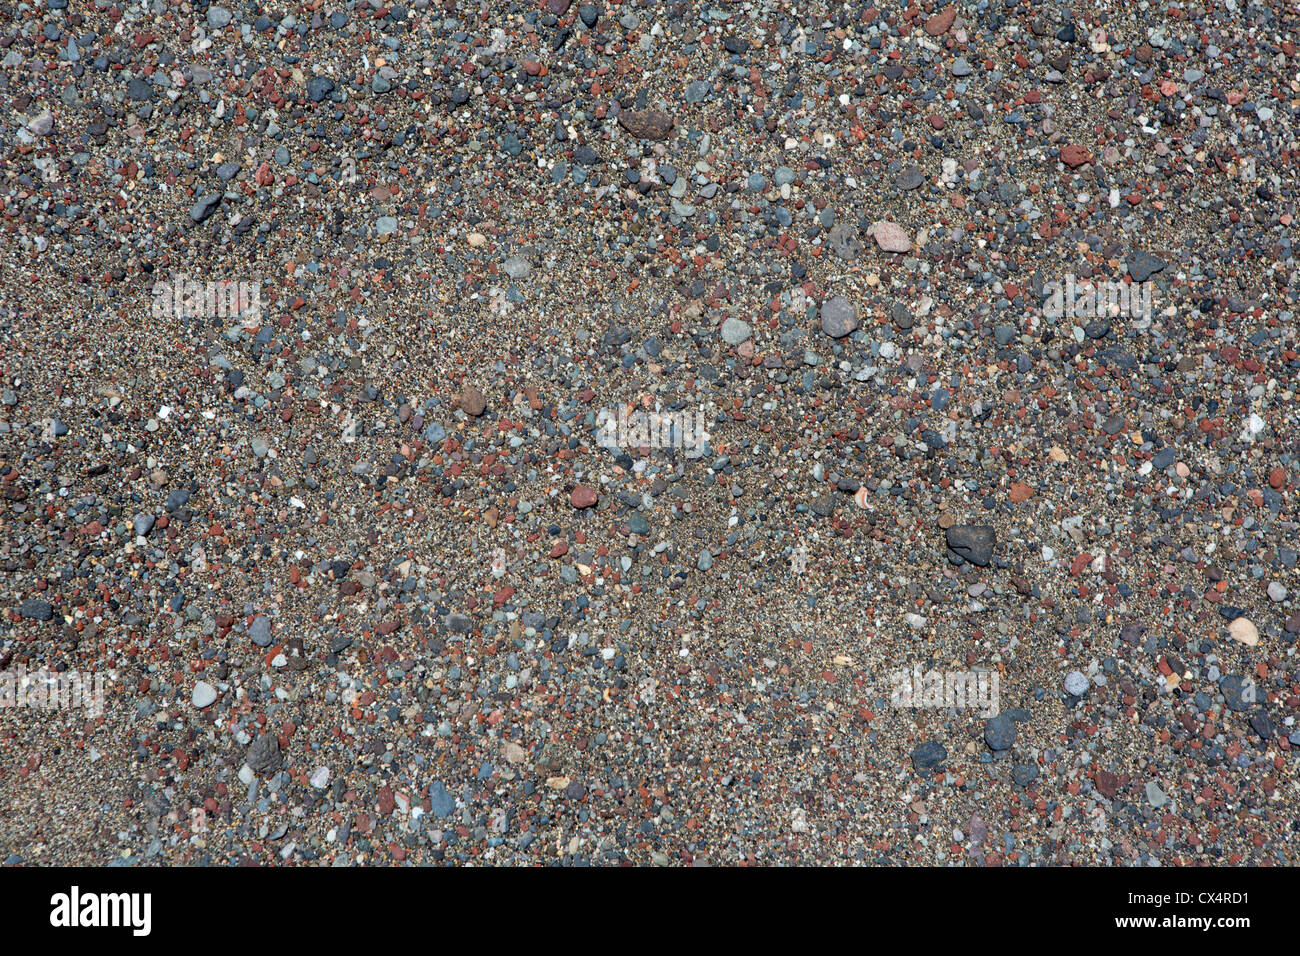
column 1076, row 683
column 205, row 695
column 929, row 755
column 1243, row 631
column 735, row 331
column 263, row 755
column 319, row 88
column 259, row 631
column 441, row 802
column 1000, row 732
column 472, row 402
column 1155, row 796
column 891, row 237
column 205, row 206
column 1142, row 265
column 41, row 125
column 910, row 177
column 647, row 124
column 34, row 609
column 583, row 497
column 844, row 241
column 973, row 543
column 839, row 317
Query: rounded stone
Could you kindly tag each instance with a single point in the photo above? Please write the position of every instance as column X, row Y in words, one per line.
column 1076, row 683
column 891, row 237
column 205, row 695
column 735, row 331
column 839, row 317
column 1000, row 732
column 583, row 497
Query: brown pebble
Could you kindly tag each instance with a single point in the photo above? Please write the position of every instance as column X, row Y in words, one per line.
column 1075, row 156
column 583, row 497
column 1020, row 492
column 646, row 124
column 941, row 22
column 472, row 401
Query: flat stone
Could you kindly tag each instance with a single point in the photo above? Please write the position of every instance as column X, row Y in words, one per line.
column 973, row 543
column 647, row 124
column 1243, row 631
column 1000, row 732
column 583, row 497
column 734, row 331
column 1143, row 265
column 929, row 755
column 839, row 317
column 205, row 695
column 472, row 402
column 891, row 237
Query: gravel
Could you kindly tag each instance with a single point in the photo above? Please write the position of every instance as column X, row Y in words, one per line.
column 989, row 320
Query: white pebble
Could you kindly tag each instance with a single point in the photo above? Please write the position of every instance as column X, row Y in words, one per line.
column 204, row 695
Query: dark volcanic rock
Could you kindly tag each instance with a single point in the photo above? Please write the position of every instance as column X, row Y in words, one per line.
column 264, row 755
column 34, row 609
column 973, row 543
column 929, row 755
